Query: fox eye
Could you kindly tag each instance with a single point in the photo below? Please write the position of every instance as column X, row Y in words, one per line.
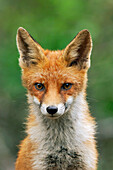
column 39, row 86
column 66, row 86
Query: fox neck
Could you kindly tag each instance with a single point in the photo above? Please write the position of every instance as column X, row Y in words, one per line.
column 63, row 131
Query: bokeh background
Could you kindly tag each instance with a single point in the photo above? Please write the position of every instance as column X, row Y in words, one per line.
column 54, row 23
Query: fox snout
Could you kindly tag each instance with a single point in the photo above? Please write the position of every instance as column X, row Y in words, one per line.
column 54, row 110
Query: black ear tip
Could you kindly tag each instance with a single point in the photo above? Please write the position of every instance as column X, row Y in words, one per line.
column 21, row 30
column 84, row 32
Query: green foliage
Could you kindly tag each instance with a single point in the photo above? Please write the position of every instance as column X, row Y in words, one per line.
column 54, row 24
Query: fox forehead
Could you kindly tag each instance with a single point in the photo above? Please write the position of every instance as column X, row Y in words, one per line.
column 53, row 55
column 53, row 69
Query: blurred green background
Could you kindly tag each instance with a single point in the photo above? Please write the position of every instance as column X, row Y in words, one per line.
column 54, row 23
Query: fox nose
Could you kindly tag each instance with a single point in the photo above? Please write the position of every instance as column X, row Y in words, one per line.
column 52, row 109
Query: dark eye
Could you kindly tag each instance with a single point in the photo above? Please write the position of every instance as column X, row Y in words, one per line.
column 66, row 86
column 39, row 86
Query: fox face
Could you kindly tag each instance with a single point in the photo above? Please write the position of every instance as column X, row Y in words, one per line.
column 54, row 78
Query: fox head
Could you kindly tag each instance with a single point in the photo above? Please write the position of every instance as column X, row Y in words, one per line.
column 54, row 78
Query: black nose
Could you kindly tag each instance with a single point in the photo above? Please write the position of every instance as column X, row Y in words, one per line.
column 52, row 109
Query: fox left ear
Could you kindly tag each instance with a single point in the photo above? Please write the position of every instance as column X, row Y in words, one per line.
column 30, row 51
column 77, row 53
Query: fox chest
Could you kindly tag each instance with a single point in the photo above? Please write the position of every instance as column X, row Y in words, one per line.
column 62, row 159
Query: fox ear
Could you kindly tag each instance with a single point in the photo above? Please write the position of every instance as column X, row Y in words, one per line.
column 77, row 53
column 30, row 51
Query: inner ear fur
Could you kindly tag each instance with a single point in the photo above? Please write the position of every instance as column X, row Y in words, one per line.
column 77, row 53
column 30, row 51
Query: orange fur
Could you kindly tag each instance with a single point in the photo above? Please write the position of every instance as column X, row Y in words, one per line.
column 24, row 160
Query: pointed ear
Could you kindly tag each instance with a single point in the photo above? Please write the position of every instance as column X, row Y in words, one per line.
column 30, row 51
column 77, row 53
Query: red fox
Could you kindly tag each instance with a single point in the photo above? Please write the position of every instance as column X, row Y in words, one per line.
column 60, row 129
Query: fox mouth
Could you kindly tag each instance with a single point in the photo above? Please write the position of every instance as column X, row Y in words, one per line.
column 53, row 116
column 66, row 107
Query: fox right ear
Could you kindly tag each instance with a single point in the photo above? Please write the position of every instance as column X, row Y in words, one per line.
column 77, row 53
column 30, row 51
